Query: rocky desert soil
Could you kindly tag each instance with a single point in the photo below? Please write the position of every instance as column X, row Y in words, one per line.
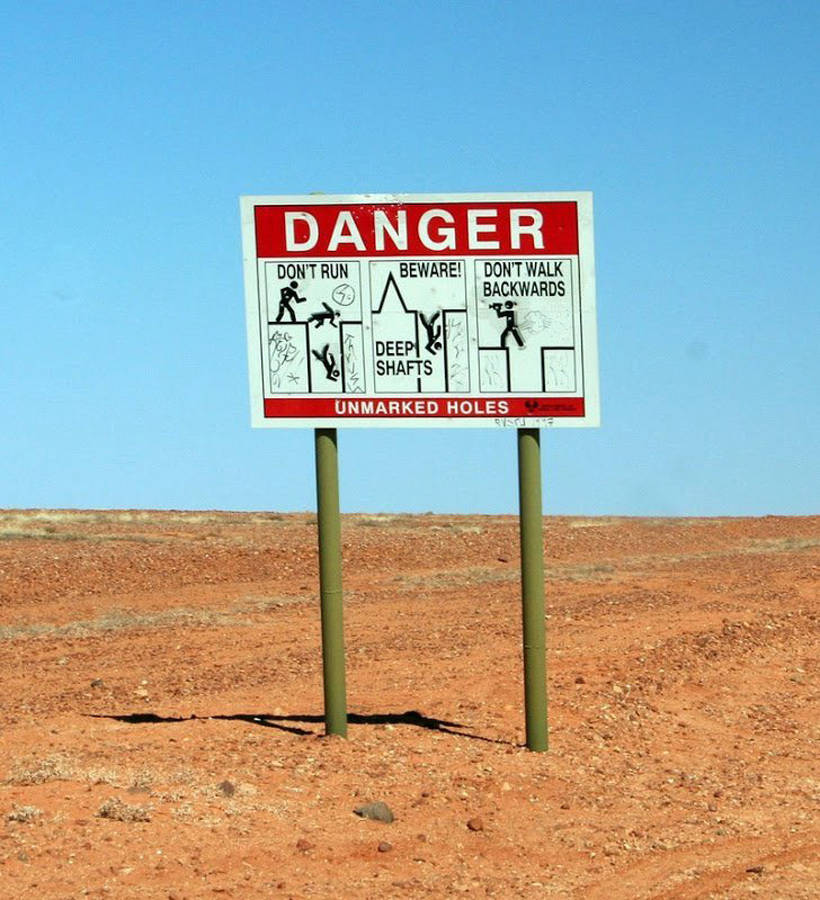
column 161, row 718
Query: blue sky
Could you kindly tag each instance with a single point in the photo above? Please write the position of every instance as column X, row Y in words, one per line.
column 130, row 130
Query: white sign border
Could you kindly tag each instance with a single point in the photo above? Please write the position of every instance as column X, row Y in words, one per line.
column 588, row 309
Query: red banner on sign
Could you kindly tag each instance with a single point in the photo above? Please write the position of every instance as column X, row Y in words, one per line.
column 418, row 229
column 423, row 407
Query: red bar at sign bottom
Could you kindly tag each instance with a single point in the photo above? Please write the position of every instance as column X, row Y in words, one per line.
column 422, row 407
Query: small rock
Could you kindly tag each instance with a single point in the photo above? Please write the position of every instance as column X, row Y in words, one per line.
column 378, row 811
column 503, row 559
column 97, row 683
column 384, row 847
column 304, row 845
column 580, row 679
column 755, row 870
column 476, row 824
column 228, row 788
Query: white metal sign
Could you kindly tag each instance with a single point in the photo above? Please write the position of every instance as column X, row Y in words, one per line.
column 421, row 310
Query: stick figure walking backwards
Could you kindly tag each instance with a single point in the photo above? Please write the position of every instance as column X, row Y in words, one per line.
column 286, row 296
column 508, row 313
column 328, row 360
column 433, row 331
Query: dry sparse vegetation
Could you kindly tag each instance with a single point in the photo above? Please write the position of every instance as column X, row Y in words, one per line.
column 24, row 814
column 119, row 811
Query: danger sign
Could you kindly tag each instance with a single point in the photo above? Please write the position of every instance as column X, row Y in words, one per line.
column 408, row 310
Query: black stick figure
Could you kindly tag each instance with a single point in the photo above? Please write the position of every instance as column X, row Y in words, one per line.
column 508, row 314
column 433, row 331
column 328, row 360
column 287, row 296
column 330, row 315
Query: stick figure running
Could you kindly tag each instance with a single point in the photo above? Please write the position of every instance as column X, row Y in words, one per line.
column 329, row 315
column 328, row 360
column 433, row 332
column 508, row 313
column 286, row 296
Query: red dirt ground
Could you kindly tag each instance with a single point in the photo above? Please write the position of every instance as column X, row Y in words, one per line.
column 161, row 718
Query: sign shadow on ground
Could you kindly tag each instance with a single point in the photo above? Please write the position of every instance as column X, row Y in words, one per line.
column 409, row 717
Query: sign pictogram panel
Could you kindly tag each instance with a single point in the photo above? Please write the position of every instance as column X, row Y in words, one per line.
column 413, row 310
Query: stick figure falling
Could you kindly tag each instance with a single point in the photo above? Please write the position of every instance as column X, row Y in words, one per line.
column 328, row 360
column 433, row 331
column 329, row 315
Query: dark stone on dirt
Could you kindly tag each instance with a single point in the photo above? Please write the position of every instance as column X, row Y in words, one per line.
column 228, row 788
column 378, row 811
column 755, row 870
column 384, row 847
column 580, row 680
column 476, row 824
column 97, row 683
column 304, row 845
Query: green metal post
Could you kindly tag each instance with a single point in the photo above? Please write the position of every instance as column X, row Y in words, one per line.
column 532, row 587
column 330, row 581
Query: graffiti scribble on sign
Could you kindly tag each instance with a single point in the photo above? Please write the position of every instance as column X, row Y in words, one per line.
column 353, row 376
column 534, row 322
column 457, row 365
column 284, row 356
